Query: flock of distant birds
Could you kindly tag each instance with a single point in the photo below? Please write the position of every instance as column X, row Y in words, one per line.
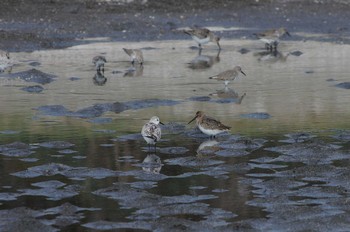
column 151, row 131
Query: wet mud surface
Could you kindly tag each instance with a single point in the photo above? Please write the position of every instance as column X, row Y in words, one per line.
column 71, row 154
column 45, row 24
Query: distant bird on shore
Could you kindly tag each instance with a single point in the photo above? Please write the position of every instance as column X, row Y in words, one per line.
column 99, row 62
column 209, row 125
column 228, row 75
column 135, row 55
column 203, row 36
column 151, row 131
column 271, row 37
column 5, row 60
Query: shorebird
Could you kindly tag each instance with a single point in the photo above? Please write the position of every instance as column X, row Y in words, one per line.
column 271, row 37
column 203, row 36
column 135, row 55
column 151, row 131
column 228, row 75
column 209, row 125
column 5, row 60
column 99, row 62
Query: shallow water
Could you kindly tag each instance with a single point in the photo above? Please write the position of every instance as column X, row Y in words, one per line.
column 88, row 152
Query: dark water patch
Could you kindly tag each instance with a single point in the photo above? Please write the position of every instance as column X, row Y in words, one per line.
column 309, row 153
column 343, row 85
column 33, row 89
column 258, row 115
column 33, row 75
column 56, row 144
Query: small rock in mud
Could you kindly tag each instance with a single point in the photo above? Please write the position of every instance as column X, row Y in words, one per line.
column 16, row 149
column 173, row 150
column 343, row 85
column 258, row 115
column 296, row 53
column 34, row 75
column 56, row 144
column 34, row 63
column 67, row 151
column 193, row 161
column 298, row 137
column 33, row 89
column 74, row 78
column 243, row 51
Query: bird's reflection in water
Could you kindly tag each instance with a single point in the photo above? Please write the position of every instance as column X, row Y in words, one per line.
column 152, row 164
column 204, row 61
column 134, row 71
column 207, row 147
column 99, row 79
column 230, row 94
column 271, row 56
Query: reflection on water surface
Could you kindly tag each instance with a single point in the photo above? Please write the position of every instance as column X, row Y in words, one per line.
column 75, row 145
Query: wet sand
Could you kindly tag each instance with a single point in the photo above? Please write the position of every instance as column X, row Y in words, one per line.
column 46, row 24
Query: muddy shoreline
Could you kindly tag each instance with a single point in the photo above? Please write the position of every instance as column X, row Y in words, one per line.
column 53, row 24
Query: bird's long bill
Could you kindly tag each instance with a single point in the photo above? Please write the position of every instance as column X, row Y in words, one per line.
column 161, row 123
column 287, row 33
column 243, row 73
column 192, row 119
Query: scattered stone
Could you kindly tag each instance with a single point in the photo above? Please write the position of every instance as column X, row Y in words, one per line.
column 343, row 85
column 33, row 89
